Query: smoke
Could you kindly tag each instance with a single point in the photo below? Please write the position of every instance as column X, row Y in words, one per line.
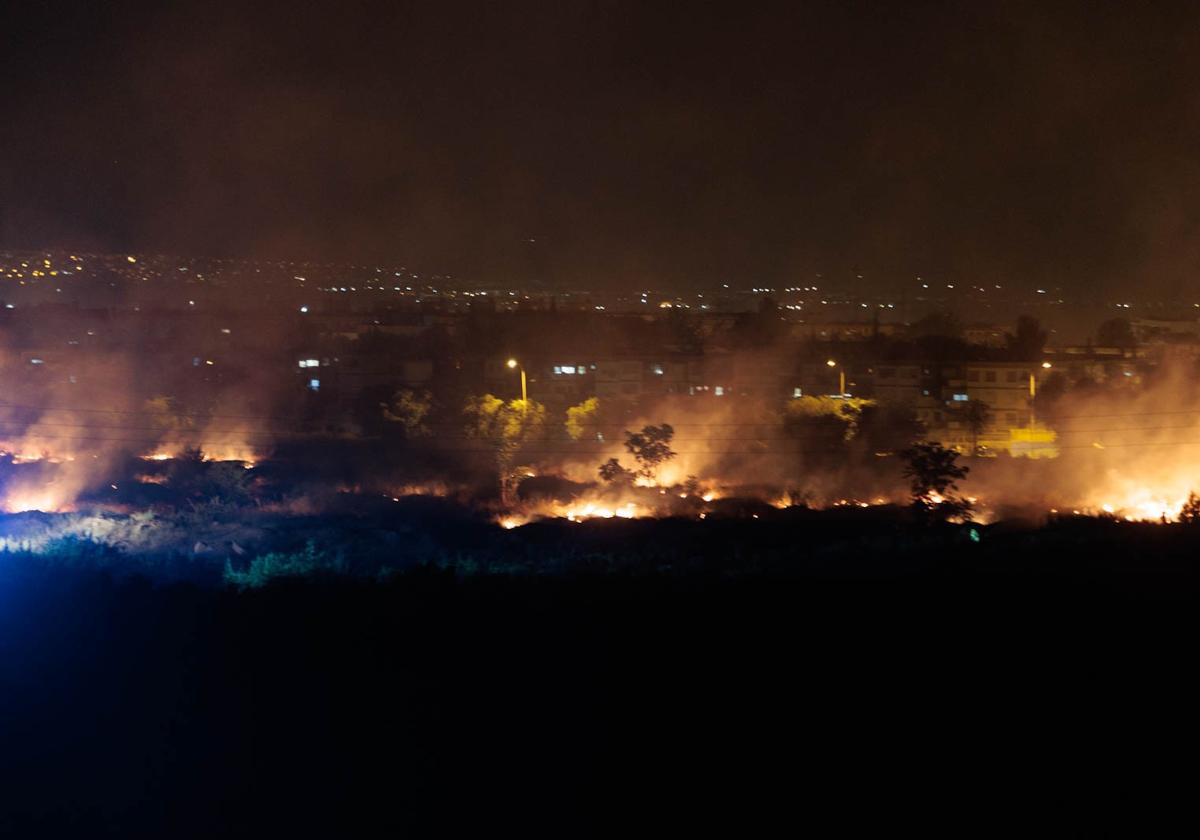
column 1125, row 447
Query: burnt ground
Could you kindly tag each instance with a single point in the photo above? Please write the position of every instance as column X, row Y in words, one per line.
column 1037, row 682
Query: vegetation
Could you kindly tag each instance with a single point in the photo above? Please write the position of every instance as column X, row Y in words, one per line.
column 886, row 429
column 1190, row 513
column 651, row 448
column 977, row 415
column 611, row 472
column 1029, row 340
column 582, row 419
column 933, row 474
column 505, row 427
column 409, row 410
column 1116, row 332
column 308, row 562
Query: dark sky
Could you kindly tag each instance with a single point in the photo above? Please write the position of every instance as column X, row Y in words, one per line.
column 639, row 144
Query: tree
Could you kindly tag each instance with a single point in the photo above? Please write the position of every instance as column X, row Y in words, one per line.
column 1029, row 340
column 683, row 331
column 933, row 474
column 581, row 419
column 938, row 337
column 939, row 323
column 884, row 429
column 976, row 415
column 505, row 427
column 1116, row 332
column 1190, row 513
column 611, row 472
column 408, row 409
column 651, row 448
column 1050, row 393
column 822, row 419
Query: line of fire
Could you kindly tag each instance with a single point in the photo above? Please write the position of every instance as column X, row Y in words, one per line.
column 152, row 386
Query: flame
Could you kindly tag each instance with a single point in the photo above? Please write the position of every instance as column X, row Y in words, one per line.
column 593, row 511
column 44, row 500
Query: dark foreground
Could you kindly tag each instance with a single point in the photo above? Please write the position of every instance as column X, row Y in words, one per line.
column 953, row 701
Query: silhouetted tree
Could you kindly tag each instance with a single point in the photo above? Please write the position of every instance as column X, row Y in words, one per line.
column 940, row 324
column 1116, row 332
column 1029, row 340
column 651, row 448
column 976, row 414
column 684, row 331
column 938, row 337
column 884, row 429
column 611, row 472
column 1190, row 512
column 1050, row 393
column 933, row 474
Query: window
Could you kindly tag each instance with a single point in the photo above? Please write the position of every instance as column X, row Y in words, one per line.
column 989, row 376
column 1011, row 376
column 960, row 397
column 797, row 393
column 314, row 384
column 657, row 370
column 569, row 369
column 310, row 363
column 719, row 390
column 973, row 376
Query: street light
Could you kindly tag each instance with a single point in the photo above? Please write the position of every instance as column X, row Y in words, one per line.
column 841, row 377
column 513, row 363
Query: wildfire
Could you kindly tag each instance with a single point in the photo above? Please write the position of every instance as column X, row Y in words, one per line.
column 44, row 500
column 593, row 511
column 35, row 457
column 1143, row 506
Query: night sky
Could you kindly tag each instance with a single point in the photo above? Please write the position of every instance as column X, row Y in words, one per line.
column 616, row 145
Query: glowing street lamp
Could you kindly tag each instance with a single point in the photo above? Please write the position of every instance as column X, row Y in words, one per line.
column 513, row 363
column 841, row 376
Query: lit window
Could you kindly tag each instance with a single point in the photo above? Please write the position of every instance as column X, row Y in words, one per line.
column 36, row 362
column 719, row 390
column 314, row 384
column 960, row 398
column 797, row 393
column 557, row 369
column 657, row 370
column 567, row 369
